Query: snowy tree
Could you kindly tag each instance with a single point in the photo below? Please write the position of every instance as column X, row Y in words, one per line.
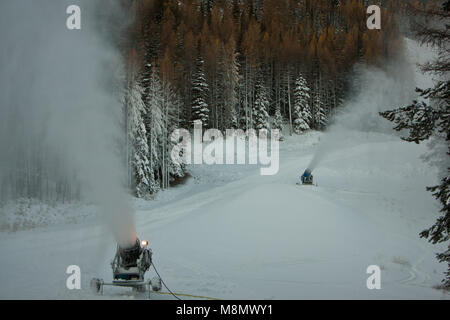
column 143, row 175
column 230, row 86
column 302, row 116
column 277, row 120
column 155, row 125
column 172, row 103
column 200, row 88
column 320, row 112
column 260, row 107
column 164, row 116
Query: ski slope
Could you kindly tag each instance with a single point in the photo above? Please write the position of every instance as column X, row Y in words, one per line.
column 230, row 233
column 248, row 236
column 266, row 238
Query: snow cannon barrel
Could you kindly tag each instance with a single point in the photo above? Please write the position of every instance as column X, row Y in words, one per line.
column 307, row 177
column 130, row 255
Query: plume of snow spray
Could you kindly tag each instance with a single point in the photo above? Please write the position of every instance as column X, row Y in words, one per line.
column 56, row 93
column 374, row 91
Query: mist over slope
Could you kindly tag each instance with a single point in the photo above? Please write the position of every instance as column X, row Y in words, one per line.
column 375, row 90
column 60, row 109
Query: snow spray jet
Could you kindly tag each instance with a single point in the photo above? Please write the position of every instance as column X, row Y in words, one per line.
column 374, row 90
column 59, row 111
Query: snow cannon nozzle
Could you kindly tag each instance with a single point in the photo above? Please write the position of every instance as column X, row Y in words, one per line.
column 131, row 254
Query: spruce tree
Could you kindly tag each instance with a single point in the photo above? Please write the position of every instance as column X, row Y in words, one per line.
column 320, row 114
column 173, row 104
column 200, row 88
column 230, row 94
column 302, row 116
column 260, row 107
column 163, row 117
column 277, row 120
column 155, row 127
column 143, row 175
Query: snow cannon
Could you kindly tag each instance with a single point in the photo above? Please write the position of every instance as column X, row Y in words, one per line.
column 129, row 267
column 130, row 255
column 307, row 177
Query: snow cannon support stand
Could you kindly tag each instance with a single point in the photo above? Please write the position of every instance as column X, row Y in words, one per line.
column 307, row 178
column 129, row 267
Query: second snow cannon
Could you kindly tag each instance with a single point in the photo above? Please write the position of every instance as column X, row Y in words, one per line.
column 129, row 267
column 307, row 178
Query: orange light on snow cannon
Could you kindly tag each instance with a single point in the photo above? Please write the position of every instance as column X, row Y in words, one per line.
column 144, row 243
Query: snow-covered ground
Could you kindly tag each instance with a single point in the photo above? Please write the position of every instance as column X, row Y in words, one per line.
column 26, row 214
column 246, row 236
column 231, row 233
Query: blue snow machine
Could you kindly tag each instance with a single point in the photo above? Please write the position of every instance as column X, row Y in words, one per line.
column 307, row 177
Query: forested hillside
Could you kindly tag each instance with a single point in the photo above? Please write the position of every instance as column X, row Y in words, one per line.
column 232, row 64
column 247, row 64
column 242, row 47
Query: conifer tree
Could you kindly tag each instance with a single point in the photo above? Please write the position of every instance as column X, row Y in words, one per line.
column 260, row 115
column 155, row 126
column 230, row 89
column 143, row 175
column 302, row 112
column 277, row 120
column 200, row 88
column 320, row 114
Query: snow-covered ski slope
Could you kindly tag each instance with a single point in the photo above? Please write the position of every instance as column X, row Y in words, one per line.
column 231, row 233
column 262, row 237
